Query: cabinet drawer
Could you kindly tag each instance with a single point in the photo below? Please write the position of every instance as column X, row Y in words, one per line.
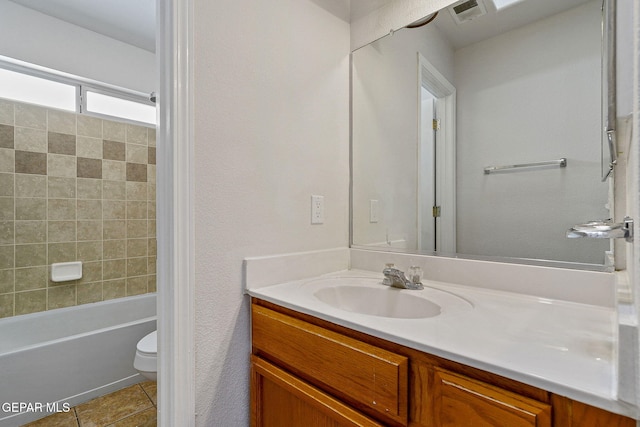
column 460, row 401
column 279, row 399
column 368, row 377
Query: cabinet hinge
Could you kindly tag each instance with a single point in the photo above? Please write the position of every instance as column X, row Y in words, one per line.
column 436, row 211
column 436, row 124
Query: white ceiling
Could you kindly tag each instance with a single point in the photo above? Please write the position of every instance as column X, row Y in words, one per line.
column 130, row 21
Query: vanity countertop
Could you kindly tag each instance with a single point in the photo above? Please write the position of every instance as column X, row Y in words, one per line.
column 563, row 347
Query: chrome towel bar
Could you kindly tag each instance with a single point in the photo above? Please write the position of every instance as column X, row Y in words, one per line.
column 492, row 169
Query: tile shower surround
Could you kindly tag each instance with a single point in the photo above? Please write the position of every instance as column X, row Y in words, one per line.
column 74, row 187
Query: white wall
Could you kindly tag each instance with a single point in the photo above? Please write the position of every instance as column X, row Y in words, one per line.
column 39, row 39
column 553, row 67
column 271, row 129
column 385, row 132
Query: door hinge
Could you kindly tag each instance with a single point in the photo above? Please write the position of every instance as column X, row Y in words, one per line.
column 436, row 211
column 436, row 124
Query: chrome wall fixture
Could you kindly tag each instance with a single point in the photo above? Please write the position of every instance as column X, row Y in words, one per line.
column 603, row 230
column 560, row 163
column 609, row 83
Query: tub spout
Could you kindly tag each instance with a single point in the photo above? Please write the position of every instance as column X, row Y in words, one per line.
column 603, row 230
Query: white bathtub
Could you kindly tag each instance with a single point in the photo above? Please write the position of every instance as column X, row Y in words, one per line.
column 69, row 355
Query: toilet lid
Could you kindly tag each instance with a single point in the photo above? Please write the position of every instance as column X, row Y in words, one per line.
column 148, row 344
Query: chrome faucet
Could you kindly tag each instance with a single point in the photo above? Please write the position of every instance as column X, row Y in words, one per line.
column 397, row 279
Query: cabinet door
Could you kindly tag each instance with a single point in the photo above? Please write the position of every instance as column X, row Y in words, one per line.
column 279, row 399
column 460, row 401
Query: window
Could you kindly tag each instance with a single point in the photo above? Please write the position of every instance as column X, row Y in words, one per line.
column 49, row 89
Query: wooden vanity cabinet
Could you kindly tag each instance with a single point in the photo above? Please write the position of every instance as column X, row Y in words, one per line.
column 310, row 372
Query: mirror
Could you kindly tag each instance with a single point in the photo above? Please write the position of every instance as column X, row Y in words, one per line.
column 479, row 134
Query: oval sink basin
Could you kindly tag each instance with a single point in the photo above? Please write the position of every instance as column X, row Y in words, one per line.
column 382, row 302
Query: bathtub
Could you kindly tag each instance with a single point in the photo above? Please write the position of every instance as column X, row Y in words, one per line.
column 56, row 359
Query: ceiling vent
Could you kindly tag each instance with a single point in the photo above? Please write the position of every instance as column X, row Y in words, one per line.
column 466, row 10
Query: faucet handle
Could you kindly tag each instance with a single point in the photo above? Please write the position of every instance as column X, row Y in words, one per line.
column 414, row 274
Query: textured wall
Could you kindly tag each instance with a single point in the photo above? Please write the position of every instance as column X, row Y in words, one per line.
column 73, row 187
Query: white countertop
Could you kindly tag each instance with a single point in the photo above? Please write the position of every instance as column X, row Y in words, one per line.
column 563, row 347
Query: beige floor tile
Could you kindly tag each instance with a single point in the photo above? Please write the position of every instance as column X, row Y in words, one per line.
column 151, row 388
column 146, row 418
column 113, row 407
column 61, row 419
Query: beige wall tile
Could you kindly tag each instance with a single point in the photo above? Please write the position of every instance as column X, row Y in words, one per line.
column 61, row 165
column 7, row 208
column 137, row 285
column 114, row 150
column 137, row 153
column 136, row 228
column 114, row 229
column 7, row 233
column 31, row 231
column 61, row 252
column 151, row 283
column 136, row 267
column 112, row 289
column 114, row 209
column 7, row 256
column 30, row 301
column 114, row 190
column 7, row 160
column 89, row 188
column 31, row 163
column 6, row 184
column 114, row 131
column 91, row 272
column 89, row 230
column 89, row 292
column 90, row 209
column 30, row 116
column 114, row 269
column 31, row 209
column 90, row 148
column 6, row 280
column 152, row 265
column 61, row 209
column 61, row 296
column 152, row 156
column 61, row 121
column 6, row 305
column 136, row 191
column 114, row 249
column 151, row 229
column 89, row 251
column 137, row 134
column 89, row 126
column 137, row 210
column 31, row 278
column 137, row 247
column 7, row 136
column 33, row 140
column 152, row 137
column 153, row 247
column 31, row 186
column 61, row 188
column 6, row 112
column 151, row 174
column 114, row 170
column 31, row 255
column 61, row 231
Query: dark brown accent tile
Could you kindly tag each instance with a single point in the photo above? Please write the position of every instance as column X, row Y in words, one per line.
column 112, row 150
column 6, row 136
column 152, row 156
column 136, row 172
column 61, row 143
column 89, row 168
column 31, row 163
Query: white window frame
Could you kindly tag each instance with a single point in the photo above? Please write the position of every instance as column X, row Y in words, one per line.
column 82, row 86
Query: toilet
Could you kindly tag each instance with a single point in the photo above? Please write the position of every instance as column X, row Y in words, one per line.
column 147, row 355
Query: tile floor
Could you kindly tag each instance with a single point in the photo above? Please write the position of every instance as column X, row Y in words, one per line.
column 134, row 406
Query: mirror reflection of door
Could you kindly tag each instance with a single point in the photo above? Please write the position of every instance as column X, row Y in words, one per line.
column 427, row 172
